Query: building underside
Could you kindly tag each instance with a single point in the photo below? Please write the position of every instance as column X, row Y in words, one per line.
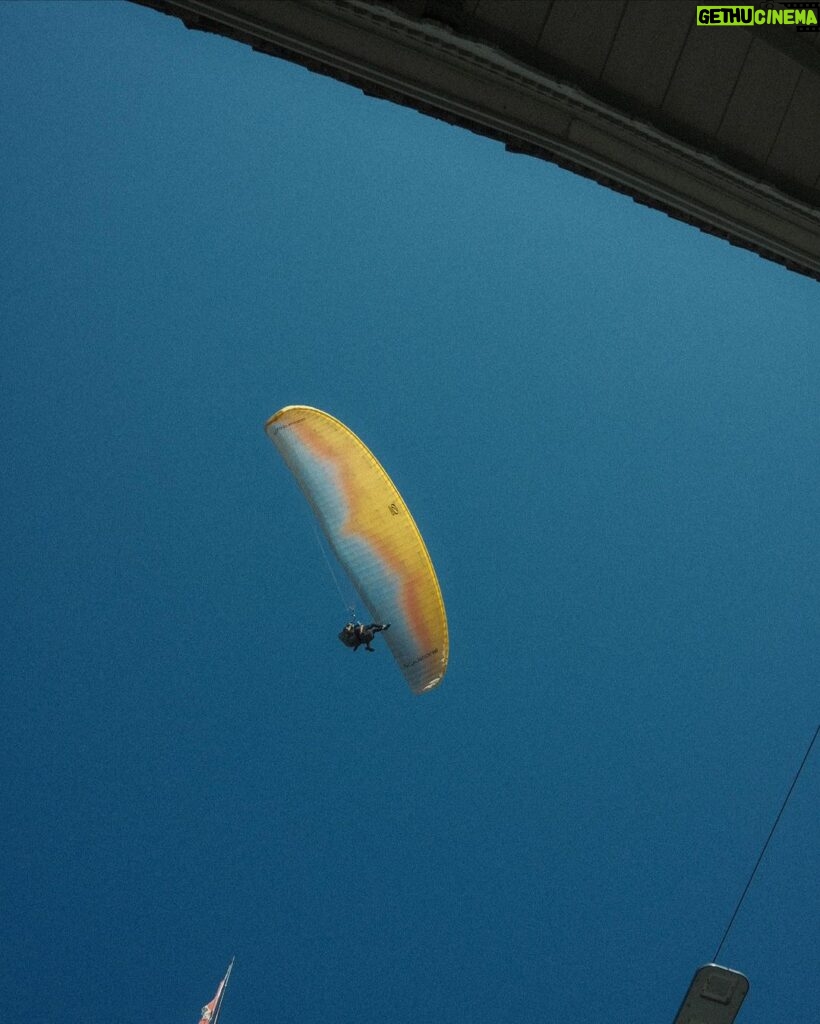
column 715, row 126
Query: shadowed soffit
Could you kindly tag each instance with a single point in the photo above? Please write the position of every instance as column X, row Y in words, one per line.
column 717, row 127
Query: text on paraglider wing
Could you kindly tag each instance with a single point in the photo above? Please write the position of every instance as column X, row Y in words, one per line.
column 421, row 657
column 285, row 426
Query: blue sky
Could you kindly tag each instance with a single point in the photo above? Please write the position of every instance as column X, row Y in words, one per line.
column 606, row 425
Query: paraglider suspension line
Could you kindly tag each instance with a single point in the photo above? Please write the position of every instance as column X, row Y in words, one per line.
column 351, row 610
column 765, row 845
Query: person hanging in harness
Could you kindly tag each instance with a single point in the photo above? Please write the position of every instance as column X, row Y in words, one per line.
column 355, row 634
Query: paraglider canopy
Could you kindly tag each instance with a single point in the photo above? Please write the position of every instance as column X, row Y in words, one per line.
column 373, row 535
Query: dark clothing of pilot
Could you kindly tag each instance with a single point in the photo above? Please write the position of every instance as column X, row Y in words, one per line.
column 355, row 634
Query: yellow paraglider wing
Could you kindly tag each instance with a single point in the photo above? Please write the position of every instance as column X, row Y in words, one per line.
column 372, row 534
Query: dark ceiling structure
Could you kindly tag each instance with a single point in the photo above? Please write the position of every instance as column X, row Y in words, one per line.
column 715, row 126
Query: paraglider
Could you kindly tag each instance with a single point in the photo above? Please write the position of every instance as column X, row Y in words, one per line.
column 373, row 536
column 355, row 634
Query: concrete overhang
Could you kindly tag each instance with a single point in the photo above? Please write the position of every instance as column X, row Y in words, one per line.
column 718, row 127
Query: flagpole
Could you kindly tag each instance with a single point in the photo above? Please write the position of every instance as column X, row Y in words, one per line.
column 224, row 988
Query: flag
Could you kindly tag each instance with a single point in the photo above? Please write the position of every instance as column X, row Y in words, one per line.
column 210, row 1011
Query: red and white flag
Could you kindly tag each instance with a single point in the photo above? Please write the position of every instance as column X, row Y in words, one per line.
column 210, row 1012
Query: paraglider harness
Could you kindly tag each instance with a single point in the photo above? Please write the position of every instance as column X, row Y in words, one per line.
column 356, row 634
column 348, row 635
